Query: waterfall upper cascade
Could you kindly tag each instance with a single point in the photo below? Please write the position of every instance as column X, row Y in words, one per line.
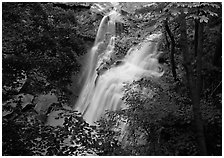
column 103, row 91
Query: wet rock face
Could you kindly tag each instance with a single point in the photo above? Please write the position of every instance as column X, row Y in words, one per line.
column 28, row 103
column 25, row 102
column 43, row 102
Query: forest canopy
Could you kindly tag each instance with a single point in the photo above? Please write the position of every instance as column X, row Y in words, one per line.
column 44, row 51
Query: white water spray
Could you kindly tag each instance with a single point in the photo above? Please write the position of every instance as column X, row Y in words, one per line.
column 103, row 91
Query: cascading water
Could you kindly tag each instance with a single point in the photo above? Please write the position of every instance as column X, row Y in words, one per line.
column 103, row 91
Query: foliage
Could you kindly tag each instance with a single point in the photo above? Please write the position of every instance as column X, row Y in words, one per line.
column 153, row 112
column 164, row 119
column 26, row 135
column 41, row 46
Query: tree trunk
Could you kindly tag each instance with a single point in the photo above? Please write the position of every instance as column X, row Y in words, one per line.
column 172, row 51
column 196, row 107
column 194, row 84
column 217, row 61
column 196, row 37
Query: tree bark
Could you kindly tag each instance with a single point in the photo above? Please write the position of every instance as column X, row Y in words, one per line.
column 217, row 61
column 194, row 84
column 196, row 37
column 196, row 107
column 172, row 51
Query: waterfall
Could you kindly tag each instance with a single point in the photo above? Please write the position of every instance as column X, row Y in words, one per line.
column 103, row 90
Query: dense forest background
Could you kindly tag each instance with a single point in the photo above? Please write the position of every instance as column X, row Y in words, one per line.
column 43, row 45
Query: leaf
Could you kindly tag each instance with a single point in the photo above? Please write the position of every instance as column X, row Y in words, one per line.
column 203, row 19
column 193, row 16
column 175, row 13
column 210, row 13
column 210, row 4
column 185, row 10
column 215, row 5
